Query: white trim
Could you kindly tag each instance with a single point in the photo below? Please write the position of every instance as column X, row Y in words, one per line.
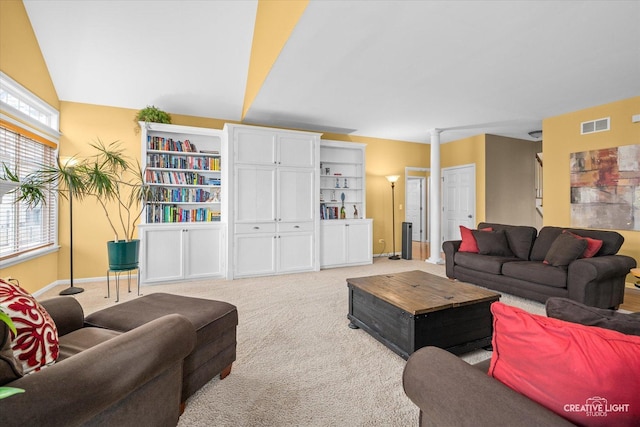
column 18, row 91
column 29, row 123
column 29, row 255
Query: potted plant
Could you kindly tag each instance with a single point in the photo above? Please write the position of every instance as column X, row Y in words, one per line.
column 108, row 176
column 152, row 114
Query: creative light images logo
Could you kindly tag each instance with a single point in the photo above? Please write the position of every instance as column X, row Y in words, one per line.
column 597, row 407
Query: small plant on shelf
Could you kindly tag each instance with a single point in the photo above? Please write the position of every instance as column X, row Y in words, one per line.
column 152, row 114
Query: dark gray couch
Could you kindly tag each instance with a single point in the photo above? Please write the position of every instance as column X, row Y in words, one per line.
column 598, row 281
column 103, row 377
column 450, row 392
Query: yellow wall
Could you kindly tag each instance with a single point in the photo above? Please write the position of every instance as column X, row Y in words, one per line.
column 562, row 137
column 275, row 20
column 21, row 59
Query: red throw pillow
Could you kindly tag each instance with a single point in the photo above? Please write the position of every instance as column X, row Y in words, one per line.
column 36, row 344
column 593, row 245
column 469, row 243
column 585, row 374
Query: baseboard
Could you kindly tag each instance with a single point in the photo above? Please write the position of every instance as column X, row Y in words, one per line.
column 68, row 282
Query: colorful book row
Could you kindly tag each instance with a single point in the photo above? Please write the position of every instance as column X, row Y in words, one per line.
column 184, row 195
column 168, row 144
column 329, row 212
column 170, row 213
column 181, row 178
column 173, row 161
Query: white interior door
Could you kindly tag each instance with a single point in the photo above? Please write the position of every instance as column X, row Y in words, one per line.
column 458, row 200
column 415, row 206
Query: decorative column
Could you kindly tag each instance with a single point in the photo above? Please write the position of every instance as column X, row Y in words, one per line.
column 435, row 205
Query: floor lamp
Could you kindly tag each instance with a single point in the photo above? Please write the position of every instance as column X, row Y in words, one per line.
column 71, row 290
column 392, row 179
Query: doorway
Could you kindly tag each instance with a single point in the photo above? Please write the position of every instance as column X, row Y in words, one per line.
column 416, row 188
column 458, row 200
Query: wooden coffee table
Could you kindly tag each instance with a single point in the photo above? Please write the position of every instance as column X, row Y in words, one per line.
column 410, row 310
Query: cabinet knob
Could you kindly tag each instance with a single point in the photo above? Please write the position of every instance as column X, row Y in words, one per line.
column 296, row 226
column 256, row 228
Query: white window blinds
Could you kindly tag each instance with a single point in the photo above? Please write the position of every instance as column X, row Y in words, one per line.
column 22, row 228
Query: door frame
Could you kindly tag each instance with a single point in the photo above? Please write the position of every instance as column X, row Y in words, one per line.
column 424, row 194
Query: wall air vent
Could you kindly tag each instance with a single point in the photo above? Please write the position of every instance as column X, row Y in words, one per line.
column 599, row 125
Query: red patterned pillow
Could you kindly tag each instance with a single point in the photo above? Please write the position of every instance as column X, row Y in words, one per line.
column 586, row 374
column 36, row 344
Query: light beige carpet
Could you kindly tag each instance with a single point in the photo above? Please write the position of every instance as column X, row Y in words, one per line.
column 298, row 363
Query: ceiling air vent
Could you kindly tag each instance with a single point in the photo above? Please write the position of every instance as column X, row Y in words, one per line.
column 599, row 125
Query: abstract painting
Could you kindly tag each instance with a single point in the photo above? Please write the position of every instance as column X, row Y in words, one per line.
column 605, row 188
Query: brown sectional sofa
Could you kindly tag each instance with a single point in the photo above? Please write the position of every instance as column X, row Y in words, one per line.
column 598, row 281
column 134, row 363
column 104, row 377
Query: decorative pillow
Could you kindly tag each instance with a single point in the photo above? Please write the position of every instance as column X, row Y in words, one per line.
column 564, row 250
column 573, row 311
column 10, row 369
column 585, row 374
column 493, row 243
column 593, row 245
column 36, row 344
column 469, row 243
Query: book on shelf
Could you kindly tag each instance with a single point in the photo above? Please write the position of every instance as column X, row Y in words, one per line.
column 160, row 214
column 169, row 144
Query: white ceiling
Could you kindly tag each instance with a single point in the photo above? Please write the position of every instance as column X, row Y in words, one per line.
column 386, row 69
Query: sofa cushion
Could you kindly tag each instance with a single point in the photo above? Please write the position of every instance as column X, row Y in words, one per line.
column 611, row 240
column 536, row 272
column 36, row 344
column 520, row 237
column 487, row 263
column 82, row 339
column 593, row 245
column 571, row 369
column 565, row 249
column 493, row 243
column 469, row 243
column 10, row 368
column 573, row 311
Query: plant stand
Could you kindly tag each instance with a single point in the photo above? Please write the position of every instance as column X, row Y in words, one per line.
column 117, row 273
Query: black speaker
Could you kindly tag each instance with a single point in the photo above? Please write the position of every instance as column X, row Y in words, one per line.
column 407, row 236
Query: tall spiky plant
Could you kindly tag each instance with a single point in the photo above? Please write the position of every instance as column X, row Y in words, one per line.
column 109, row 176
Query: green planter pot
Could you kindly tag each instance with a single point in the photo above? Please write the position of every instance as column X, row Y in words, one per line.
column 123, row 255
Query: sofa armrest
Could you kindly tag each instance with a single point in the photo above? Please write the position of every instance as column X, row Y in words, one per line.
column 599, row 281
column 66, row 313
column 450, row 248
column 100, row 380
column 449, row 391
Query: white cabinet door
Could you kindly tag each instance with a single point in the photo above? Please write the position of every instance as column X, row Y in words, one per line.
column 296, row 196
column 295, row 252
column 255, row 194
column 359, row 249
column 345, row 243
column 162, row 253
column 254, row 254
column 254, row 146
column 333, row 244
column 295, row 150
column 204, row 254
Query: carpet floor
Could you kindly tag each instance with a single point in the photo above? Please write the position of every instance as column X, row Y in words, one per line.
column 298, row 363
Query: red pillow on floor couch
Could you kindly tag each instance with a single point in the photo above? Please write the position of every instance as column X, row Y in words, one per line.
column 585, row 374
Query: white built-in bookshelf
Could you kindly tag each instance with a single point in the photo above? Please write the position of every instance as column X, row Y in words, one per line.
column 183, row 229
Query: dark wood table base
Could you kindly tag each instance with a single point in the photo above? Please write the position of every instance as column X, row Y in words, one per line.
column 411, row 310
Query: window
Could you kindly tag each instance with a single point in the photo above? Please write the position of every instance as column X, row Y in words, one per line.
column 28, row 140
column 24, row 229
